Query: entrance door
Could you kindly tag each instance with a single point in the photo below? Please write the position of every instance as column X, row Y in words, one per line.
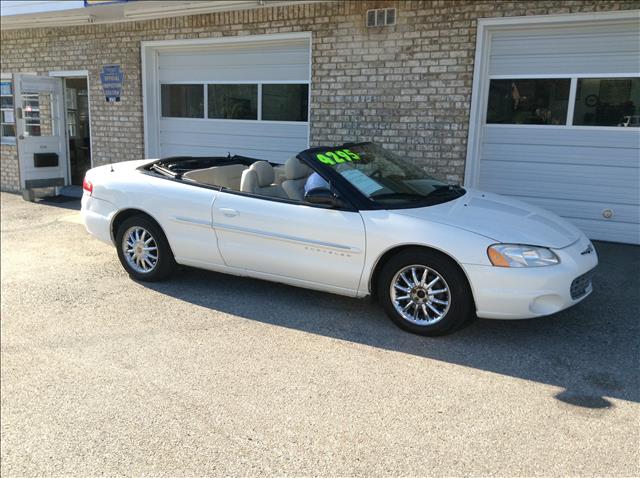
column 42, row 147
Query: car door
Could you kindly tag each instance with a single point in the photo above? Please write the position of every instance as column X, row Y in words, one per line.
column 184, row 213
column 319, row 246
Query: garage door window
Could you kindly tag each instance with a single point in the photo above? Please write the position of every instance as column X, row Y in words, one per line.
column 236, row 101
column 607, row 102
column 183, row 101
column 528, row 101
column 285, row 102
column 233, row 102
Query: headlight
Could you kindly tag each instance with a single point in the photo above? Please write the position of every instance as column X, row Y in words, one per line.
column 516, row 255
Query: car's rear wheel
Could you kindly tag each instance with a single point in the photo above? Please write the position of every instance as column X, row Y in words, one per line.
column 143, row 249
column 424, row 292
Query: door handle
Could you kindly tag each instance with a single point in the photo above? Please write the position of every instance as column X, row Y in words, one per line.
column 228, row 212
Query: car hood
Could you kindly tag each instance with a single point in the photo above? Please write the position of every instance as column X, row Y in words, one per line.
column 501, row 219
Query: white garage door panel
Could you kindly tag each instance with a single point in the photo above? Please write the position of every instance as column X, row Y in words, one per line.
column 180, row 150
column 562, row 181
column 595, row 48
column 242, row 128
column 266, row 61
column 230, row 142
column 602, row 43
column 550, row 162
column 248, row 73
column 268, row 141
column 580, row 195
column 588, row 156
column 557, row 65
column 576, row 209
column 553, row 136
column 609, row 230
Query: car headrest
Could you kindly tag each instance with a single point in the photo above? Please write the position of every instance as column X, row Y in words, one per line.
column 296, row 169
column 265, row 173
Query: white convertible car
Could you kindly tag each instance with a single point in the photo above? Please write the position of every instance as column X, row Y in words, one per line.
column 374, row 224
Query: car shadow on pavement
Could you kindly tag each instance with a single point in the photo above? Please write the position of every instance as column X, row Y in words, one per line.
column 591, row 351
column 62, row 202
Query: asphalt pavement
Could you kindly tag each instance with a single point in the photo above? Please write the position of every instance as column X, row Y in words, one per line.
column 209, row 374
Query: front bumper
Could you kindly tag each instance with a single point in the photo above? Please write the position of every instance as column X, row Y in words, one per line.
column 96, row 216
column 523, row 293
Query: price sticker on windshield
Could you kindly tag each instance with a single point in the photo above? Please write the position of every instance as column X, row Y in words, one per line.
column 337, row 156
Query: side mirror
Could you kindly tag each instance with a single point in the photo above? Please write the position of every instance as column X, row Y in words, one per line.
column 324, row 197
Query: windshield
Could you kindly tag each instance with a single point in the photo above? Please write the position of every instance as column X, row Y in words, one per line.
column 385, row 178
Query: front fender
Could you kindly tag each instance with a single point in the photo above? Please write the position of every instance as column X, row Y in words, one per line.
column 387, row 231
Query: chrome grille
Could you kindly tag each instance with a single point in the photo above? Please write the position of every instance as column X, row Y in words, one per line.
column 581, row 285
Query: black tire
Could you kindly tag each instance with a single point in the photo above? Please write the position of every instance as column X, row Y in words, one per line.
column 460, row 298
column 165, row 264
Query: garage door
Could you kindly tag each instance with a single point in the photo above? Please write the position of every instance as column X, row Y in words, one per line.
column 561, row 124
column 246, row 97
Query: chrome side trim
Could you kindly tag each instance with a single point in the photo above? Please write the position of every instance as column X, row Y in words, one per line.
column 284, row 237
column 193, row 222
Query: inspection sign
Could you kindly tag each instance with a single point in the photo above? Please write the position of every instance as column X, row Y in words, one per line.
column 111, row 78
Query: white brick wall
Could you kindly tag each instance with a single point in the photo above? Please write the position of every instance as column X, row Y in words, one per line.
column 407, row 86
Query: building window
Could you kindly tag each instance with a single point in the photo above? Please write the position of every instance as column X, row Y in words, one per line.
column 528, row 101
column 607, row 102
column 285, row 102
column 37, row 111
column 381, row 17
column 7, row 117
column 182, row 101
column 232, row 101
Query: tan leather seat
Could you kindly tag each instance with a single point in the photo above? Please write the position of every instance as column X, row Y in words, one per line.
column 225, row 176
column 280, row 174
column 258, row 179
column 296, row 173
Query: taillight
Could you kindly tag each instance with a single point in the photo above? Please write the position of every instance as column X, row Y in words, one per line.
column 87, row 186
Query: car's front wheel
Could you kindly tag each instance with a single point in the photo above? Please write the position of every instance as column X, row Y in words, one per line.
column 424, row 292
column 144, row 250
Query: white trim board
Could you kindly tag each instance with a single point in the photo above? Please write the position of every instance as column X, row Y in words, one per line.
column 560, row 18
column 223, row 40
column 480, row 85
column 70, row 73
column 564, row 76
column 116, row 12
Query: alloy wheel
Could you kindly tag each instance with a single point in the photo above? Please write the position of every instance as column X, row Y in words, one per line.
column 420, row 295
column 140, row 249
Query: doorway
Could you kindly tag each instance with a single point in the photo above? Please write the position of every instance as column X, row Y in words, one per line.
column 76, row 96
